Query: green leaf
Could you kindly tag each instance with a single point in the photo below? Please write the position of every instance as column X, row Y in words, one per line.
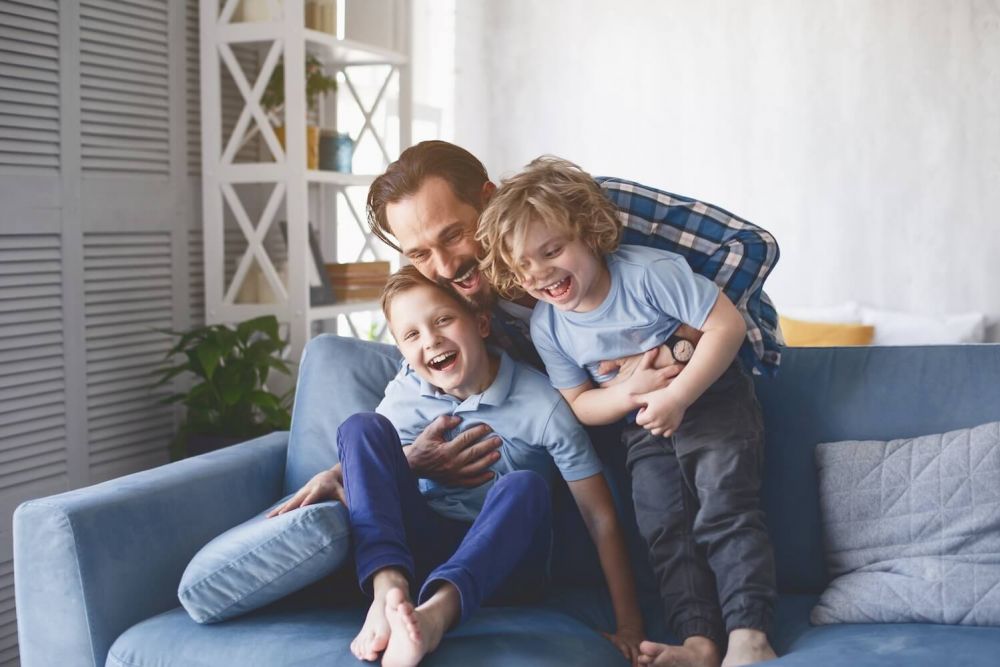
column 230, row 387
column 185, row 340
column 265, row 324
column 263, row 399
column 279, row 365
column 209, row 355
column 169, row 374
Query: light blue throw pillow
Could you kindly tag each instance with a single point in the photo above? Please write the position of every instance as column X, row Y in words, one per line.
column 263, row 560
column 912, row 529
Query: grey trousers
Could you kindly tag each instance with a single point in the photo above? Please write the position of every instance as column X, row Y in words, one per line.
column 696, row 498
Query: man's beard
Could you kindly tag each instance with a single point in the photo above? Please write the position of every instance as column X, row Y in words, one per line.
column 483, row 300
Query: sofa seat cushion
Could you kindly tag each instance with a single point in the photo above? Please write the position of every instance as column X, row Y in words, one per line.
column 877, row 645
column 262, row 560
column 304, row 630
column 313, row 634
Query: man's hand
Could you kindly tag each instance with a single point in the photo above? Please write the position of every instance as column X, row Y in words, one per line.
column 662, row 414
column 657, row 359
column 327, row 485
column 463, row 461
column 655, row 370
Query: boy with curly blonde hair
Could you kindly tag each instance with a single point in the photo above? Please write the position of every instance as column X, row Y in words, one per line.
column 693, row 447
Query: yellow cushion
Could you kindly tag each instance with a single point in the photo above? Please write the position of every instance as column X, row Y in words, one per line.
column 800, row 333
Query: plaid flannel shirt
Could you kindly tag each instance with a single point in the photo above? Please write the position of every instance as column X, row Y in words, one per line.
column 737, row 255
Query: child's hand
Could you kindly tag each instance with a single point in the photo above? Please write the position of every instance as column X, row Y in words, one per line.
column 654, row 371
column 627, row 640
column 662, row 414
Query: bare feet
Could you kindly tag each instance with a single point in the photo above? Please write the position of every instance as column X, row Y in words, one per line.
column 695, row 652
column 374, row 635
column 413, row 632
column 748, row 647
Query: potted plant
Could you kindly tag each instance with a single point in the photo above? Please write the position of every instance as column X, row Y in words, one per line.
column 228, row 401
column 273, row 102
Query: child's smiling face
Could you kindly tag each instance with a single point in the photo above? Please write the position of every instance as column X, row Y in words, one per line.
column 556, row 267
column 441, row 340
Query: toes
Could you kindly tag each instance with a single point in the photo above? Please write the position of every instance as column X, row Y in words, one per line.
column 651, row 648
column 378, row 643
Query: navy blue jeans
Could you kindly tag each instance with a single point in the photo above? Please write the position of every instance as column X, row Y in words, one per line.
column 501, row 557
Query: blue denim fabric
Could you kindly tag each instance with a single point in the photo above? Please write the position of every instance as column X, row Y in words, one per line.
column 393, row 525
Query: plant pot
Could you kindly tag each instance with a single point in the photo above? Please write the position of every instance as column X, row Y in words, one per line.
column 201, row 443
column 312, row 144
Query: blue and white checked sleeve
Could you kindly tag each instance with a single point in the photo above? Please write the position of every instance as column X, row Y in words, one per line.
column 735, row 254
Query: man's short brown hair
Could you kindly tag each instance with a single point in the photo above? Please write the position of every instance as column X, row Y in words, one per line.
column 461, row 169
column 408, row 278
column 552, row 192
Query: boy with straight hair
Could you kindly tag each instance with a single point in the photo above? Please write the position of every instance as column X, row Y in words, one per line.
column 457, row 545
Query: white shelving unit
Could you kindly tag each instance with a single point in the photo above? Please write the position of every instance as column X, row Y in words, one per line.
column 285, row 182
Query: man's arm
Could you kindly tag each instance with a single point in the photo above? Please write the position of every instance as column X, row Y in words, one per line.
column 734, row 253
column 664, row 360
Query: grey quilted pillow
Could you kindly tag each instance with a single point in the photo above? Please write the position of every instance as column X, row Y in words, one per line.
column 912, row 529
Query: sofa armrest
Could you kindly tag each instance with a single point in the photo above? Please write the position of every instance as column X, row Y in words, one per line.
column 90, row 563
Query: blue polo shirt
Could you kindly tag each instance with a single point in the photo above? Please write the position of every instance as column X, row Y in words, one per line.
column 537, row 429
column 652, row 293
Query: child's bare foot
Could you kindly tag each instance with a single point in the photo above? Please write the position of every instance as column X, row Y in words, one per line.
column 413, row 632
column 374, row 635
column 748, row 647
column 695, row 652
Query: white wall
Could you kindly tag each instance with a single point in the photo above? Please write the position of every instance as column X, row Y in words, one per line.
column 865, row 134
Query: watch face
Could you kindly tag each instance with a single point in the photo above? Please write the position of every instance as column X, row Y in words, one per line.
column 683, row 350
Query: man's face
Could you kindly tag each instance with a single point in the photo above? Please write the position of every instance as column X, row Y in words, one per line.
column 441, row 341
column 436, row 232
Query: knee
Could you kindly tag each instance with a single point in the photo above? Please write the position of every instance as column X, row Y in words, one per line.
column 365, row 428
column 527, row 486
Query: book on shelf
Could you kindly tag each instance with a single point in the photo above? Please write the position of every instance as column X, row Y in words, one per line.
column 357, row 281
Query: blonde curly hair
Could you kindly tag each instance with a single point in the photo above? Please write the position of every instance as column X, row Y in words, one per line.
column 552, row 192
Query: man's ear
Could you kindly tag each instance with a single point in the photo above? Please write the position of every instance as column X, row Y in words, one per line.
column 486, row 194
column 483, row 320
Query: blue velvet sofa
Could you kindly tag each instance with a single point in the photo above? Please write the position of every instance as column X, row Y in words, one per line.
column 97, row 569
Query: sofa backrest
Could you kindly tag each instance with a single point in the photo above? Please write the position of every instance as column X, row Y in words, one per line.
column 868, row 393
column 819, row 395
column 338, row 377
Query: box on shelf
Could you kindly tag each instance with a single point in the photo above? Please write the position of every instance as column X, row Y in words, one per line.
column 357, row 281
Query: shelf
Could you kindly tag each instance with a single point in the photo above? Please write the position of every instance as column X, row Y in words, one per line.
column 335, row 51
column 285, row 36
column 339, row 178
column 334, row 309
column 323, row 45
column 264, row 172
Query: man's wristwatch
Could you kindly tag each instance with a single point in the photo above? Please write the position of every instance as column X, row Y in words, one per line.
column 681, row 349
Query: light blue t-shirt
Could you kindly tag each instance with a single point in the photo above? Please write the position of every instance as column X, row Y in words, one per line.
column 652, row 293
column 537, row 429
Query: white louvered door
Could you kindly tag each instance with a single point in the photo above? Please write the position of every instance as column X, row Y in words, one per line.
column 99, row 217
